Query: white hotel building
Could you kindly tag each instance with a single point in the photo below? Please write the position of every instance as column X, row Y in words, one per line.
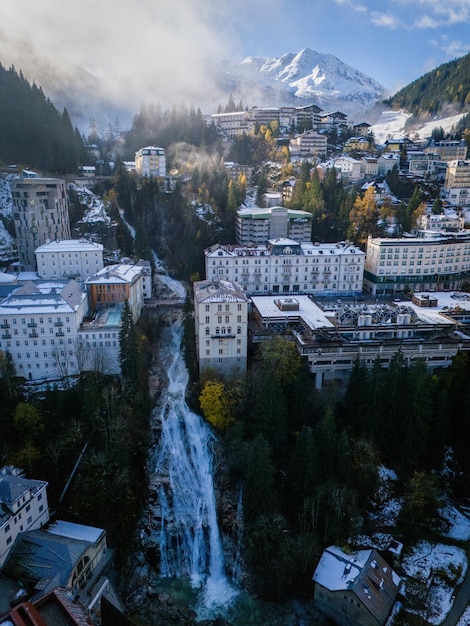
column 434, row 261
column 72, row 258
column 221, row 320
column 38, row 326
column 285, row 266
column 23, row 506
column 151, row 161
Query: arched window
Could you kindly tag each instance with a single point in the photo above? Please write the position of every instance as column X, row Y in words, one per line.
column 229, row 330
column 208, row 332
column 239, row 330
column 223, row 330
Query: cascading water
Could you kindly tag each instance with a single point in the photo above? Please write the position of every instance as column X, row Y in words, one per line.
column 181, row 464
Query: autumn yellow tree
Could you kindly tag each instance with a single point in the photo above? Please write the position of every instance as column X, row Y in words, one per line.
column 216, row 404
column 363, row 217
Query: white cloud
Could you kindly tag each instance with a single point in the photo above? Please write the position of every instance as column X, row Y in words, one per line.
column 384, row 19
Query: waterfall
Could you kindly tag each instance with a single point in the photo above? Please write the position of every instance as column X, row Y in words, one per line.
column 181, row 464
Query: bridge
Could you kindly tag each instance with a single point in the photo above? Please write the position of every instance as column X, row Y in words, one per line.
column 167, row 303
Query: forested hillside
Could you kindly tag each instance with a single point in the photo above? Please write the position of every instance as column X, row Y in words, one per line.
column 33, row 133
column 448, row 84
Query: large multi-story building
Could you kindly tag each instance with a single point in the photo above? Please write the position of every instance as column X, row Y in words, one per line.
column 432, row 261
column 331, row 337
column 457, row 182
column 447, row 150
column 285, row 266
column 151, row 161
column 233, row 124
column 221, row 320
column 256, row 225
column 72, row 258
column 41, row 214
column 38, row 326
column 309, row 144
column 23, row 507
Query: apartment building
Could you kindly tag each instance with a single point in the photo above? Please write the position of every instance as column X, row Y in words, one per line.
column 72, row 258
column 285, row 266
column 309, row 144
column 23, row 507
column 235, row 170
column 437, row 261
column 151, row 161
column 221, row 320
column 457, row 182
column 350, row 169
column 38, row 325
column 447, row 150
column 232, row 124
column 41, row 214
column 256, row 225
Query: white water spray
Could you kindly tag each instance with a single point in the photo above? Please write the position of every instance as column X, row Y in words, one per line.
column 189, row 538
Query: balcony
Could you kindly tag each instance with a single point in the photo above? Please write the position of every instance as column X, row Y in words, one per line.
column 59, row 323
column 6, row 335
column 60, row 333
column 5, row 324
column 32, row 324
column 33, row 334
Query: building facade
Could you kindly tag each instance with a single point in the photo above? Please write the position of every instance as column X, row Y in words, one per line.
column 41, row 214
column 39, row 323
column 448, row 150
column 309, row 144
column 434, row 261
column 23, row 507
column 457, row 182
column 331, row 337
column 73, row 258
column 285, row 266
column 255, row 225
column 355, row 589
column 221, row 320
column 151, row 161
column 115, row 284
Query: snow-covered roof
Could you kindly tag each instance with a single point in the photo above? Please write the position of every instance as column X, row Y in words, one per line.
column 120, row 273
column 269, row 308
column 218, row 290
column 75, row 531
column 70, row 245
column 364, row 573
column 43, row 297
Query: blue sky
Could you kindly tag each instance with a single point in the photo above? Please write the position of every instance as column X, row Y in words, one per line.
column 393, row 41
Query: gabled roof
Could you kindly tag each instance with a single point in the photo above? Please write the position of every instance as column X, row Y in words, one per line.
column 364, row 573
column 218, row 290
column 53, row 296
column 12, row 488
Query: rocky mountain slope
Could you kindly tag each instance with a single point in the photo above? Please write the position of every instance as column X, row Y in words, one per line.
column 301, row 78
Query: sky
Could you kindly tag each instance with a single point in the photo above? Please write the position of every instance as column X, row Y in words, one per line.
column 135, row 47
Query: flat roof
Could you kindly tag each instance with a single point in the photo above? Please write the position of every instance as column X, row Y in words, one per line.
column 69, row 245
column 310, row 312
column 75, row 531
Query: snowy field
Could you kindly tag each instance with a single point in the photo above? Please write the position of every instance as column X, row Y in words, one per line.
column 430, row 571
column 391, row 124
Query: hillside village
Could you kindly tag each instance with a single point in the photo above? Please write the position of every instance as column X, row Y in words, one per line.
column 402, row 288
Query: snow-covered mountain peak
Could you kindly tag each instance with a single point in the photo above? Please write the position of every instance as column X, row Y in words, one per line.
column 318, row 77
